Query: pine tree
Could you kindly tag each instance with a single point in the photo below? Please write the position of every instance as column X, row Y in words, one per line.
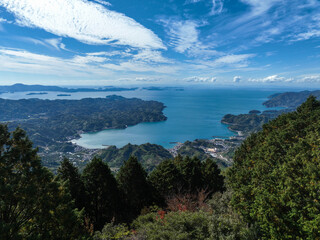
column 190, row 168
column 69, row 174
column 213, row 181
column 166, row 178
column 102, row 192
column 32, row 204
column 133, row 183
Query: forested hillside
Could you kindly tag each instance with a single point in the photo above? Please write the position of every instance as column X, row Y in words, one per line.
column 271, row 191
column 276, row 176
column 51, row 124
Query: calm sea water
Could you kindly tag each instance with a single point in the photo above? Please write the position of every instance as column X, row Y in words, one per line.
column 192, row 114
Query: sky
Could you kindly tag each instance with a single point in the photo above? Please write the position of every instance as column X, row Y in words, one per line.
column 169, row 42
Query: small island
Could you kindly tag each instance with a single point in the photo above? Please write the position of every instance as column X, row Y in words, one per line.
column 36, row 93
column 63, row 95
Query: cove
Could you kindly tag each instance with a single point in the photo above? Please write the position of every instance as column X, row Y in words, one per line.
column 192, row 114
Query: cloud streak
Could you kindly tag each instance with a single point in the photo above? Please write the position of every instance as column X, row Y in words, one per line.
column 197, row 79
column 73, row 18
column 272, row 79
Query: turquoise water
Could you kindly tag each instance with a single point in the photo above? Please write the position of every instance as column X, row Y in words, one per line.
column 192, row 114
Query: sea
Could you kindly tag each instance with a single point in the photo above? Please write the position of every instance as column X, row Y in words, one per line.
column 194, row 113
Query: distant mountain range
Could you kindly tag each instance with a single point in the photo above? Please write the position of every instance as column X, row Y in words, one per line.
column 290, row 99
column 28, row 88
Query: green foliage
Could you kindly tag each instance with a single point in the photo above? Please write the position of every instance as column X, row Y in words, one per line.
column 137, row 191
column 190, row 169
column 186, row 175
column 149, row 155
column 174, row 225
column 213, row 181
column 252, row 122
column 32, row 204
column 166, row 178
column 225, row 223
column 70, row 175
column 276, row 175
column 103, row 197
column 111, row 231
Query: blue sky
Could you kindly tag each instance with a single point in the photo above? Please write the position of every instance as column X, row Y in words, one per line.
column 172, row 42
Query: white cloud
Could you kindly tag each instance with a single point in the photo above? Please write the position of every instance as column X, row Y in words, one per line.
column 310, row 79
column 233, row 59
column 217, row 6
column 54, row 42
column 85, row 21
column 17, row 60
column 103, row 2
column 272, row 79
column 3, row 20
column 197, row 79
column 260, row 6
column 236, row 79
column 183, row 34
column 184, row 38
column 49, row 43
column 307, row 35
column 147, row 79
column 138, row 66
column 148, row 55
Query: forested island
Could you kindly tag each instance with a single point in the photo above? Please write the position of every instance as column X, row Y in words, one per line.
column 245, row 124
column 18, row 87
column 51, row 124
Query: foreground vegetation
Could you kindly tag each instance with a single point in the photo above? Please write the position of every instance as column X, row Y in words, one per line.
column 271, row 191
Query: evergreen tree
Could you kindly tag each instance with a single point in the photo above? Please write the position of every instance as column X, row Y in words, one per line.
column 102, row 192
column 190, row 169
column 213, row 181
column 32, row 204
column 133, row 183
column 276, row 175
column 166, row 178
column 69, row 174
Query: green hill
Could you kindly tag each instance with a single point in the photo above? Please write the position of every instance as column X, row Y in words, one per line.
column 149, row 155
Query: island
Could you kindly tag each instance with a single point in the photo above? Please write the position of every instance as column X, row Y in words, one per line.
column 244, row 124
column 19, row 87
column 52, row 124
column 63, row 95
column 36, row 93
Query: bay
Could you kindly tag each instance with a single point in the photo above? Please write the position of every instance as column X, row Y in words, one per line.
column 192, row 114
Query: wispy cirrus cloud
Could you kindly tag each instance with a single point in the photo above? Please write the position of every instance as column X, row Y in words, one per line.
column 73, row 18
column 92, row 64
column 217, row 7
column 103, row 2
column 184, row 38
column 183, row 33
column 17, row 60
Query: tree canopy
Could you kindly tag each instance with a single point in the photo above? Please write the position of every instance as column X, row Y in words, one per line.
column 32, row 204
column 276, row 175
